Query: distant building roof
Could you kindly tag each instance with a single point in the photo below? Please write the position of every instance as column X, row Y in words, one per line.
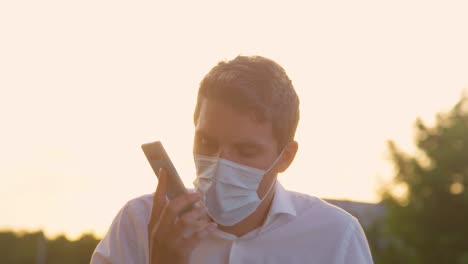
column 366, row 213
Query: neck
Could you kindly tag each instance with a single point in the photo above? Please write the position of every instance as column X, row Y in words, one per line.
column 253, row 221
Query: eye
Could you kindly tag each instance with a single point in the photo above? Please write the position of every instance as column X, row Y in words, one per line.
column 248, row 152
column 205, row 141
column 206, row 145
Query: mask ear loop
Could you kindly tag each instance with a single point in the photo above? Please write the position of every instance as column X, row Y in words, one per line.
column 276, row 177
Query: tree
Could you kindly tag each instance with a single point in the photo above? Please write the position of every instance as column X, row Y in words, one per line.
column 24, row 248
column 428, row 221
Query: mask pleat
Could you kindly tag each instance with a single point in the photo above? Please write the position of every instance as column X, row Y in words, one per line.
column 229, row 189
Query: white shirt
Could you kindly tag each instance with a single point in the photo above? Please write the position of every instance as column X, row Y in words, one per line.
column 298, row 229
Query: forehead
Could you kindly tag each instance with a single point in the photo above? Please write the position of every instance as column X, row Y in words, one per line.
column 225, row 123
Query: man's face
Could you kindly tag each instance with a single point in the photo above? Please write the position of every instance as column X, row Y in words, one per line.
column 224, row 132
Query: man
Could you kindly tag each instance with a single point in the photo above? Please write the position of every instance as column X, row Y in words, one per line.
column 245, row 118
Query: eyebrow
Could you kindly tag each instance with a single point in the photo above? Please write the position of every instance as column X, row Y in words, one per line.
column 242, row 144
column 201, row 133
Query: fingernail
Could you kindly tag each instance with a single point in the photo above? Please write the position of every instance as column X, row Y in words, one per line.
column 161, row 174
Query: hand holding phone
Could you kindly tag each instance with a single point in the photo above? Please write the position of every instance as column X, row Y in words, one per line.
column 158, row 158
column 175, row 226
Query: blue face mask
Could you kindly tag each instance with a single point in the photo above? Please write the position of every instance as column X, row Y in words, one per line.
column 229, row 189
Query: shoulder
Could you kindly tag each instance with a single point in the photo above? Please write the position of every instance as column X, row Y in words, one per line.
column 125, row 241
column 329, row 227
column 321, row 214
column 135, row 211
column 139, row 206
column 308, row 206
column 133, row 215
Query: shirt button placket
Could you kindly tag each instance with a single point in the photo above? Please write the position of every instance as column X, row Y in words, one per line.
column 233, row 254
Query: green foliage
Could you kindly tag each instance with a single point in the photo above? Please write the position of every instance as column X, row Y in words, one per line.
column 429, row 222
column 24, row 248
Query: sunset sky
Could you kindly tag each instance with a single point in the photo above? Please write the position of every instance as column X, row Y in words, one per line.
column 84, row 83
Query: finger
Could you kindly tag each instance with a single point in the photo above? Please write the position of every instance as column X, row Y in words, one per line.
column 201, row 234
column 205, row 217
column 176, row 206
column 190, row 222
column 194, row 217
column 159, row 198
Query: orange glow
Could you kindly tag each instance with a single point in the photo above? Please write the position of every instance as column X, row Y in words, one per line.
column 84, row 84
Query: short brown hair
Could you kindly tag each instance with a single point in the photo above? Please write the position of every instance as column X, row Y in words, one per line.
column 257, row 84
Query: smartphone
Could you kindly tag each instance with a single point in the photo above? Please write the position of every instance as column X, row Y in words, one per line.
column 157, row 157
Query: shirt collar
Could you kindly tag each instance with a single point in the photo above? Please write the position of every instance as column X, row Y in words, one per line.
column 281, row 204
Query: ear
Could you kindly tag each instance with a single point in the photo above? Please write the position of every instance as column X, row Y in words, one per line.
column 289, row 154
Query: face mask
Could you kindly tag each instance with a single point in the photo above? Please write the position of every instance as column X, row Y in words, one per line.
column 229, row 189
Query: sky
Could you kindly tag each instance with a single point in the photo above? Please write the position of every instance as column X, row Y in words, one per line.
column 84, row 83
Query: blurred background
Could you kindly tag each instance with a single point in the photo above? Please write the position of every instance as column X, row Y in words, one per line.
column 383, row 130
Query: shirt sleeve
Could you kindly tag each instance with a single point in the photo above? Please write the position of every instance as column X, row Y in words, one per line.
column 355, row 249
column 126, row 240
